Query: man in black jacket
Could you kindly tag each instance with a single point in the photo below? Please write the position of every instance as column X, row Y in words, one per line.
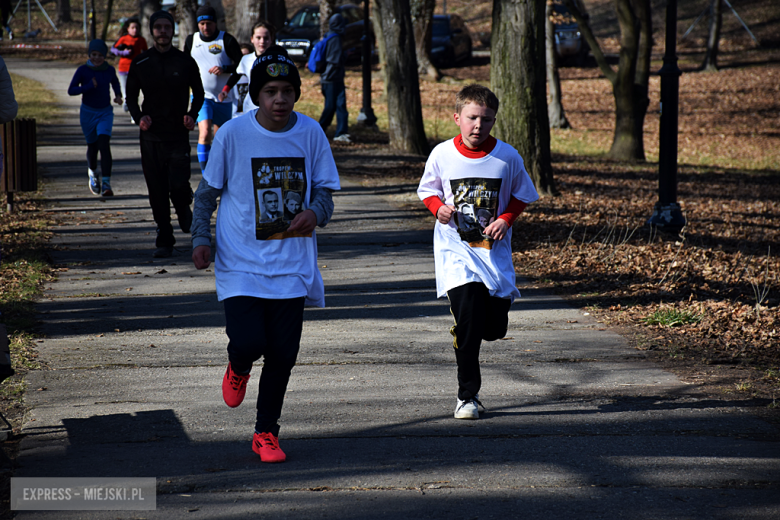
column 165, row 75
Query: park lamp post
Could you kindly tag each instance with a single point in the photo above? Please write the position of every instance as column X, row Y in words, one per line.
column 366, row 116
column 667, row 215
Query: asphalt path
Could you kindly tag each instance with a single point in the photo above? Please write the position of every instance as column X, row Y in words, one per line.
column 579, row 424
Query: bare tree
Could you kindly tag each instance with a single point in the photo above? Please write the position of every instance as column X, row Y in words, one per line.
column 422, row 19
column 186, row 19
column 146, row 9
column 107, row 22
column 404, row 108
column 380, row 45
column 555, row 112
column 630, row 81
column 275, row 11
column 517, row 76
column 327, row 7
column 713, row 40
column 63, row 11
column 248, row 12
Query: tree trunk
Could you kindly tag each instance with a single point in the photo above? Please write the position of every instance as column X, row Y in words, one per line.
column 146, row 9
column 555, row 112
column 107, row 22
column 63, row 11
column 247, row 13
column 517, row 76
column 642, row 74
column 326, row 11
column 422, row 19
column 404, row 109
column 380, row 45
column 186, row 19
column 630, row 82
column 277, row 13
column 716, row 20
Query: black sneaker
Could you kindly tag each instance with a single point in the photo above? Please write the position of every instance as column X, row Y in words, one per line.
column 163, row 252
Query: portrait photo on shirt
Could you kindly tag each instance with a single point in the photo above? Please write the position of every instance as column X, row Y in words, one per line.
column 293, row 202
column 280, row 188
column 270, row 207
column 476, row 201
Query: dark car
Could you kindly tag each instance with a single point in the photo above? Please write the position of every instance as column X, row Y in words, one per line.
column 302, row 31
column 451, row 40
column 570, row 46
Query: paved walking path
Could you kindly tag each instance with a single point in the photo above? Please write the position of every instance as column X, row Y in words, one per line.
column 579, row 425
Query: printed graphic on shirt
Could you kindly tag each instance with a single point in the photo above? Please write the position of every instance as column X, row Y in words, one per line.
column 280, row 189
column 215, row 48
column 477, row 203
column 242, row 90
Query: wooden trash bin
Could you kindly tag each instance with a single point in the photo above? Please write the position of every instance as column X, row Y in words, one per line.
column 20, row 158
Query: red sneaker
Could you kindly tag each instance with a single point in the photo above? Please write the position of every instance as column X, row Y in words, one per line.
column 267, row 446
column 233, row 387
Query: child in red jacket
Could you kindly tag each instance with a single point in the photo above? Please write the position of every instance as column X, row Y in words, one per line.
column 129, row 45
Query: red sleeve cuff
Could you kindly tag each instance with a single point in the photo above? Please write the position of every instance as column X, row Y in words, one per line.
column 513, row 210
column 433, row 203
column 226, row 89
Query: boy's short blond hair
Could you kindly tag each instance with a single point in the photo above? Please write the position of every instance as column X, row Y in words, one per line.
column 476, row 94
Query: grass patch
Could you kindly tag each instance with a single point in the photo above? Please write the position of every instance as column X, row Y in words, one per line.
column 35, row 101
column 581, row 143
column 24, row 267
column 23, row 271
column 671, row 318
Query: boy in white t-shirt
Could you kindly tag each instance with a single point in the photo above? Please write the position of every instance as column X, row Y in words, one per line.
column 266, row 262
column 476, row 186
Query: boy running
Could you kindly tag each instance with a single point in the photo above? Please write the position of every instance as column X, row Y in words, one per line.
column 464, row 177
column 94, row 82
column 265, row 267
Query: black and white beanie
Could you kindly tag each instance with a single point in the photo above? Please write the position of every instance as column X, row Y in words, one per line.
column 274, row 65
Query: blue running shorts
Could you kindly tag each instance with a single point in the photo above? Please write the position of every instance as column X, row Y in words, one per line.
column 219, row 113
column 96, row 121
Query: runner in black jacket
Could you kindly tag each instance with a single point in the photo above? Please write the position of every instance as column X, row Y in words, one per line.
column 166, row 75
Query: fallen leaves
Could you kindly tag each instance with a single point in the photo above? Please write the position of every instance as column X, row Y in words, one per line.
column 721, row 270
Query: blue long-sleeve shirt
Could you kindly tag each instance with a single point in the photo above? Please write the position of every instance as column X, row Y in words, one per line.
column 94, row 97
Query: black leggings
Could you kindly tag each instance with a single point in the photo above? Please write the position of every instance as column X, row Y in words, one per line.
column 478, row 316
column 102, row 145
column 271, row 329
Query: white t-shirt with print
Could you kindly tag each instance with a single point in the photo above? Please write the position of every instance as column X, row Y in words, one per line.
column 480, row 189
column 208, row 55
column 262, row 174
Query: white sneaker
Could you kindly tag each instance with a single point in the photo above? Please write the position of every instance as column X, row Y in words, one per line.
column 343, row 138
column 94, row 182
column 468, row 409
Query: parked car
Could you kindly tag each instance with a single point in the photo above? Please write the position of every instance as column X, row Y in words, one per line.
column 451, row 40
column 302, row 31
column 570, row 46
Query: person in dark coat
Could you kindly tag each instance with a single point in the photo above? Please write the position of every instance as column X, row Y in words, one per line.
column 165, row 75
column 332, row 81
